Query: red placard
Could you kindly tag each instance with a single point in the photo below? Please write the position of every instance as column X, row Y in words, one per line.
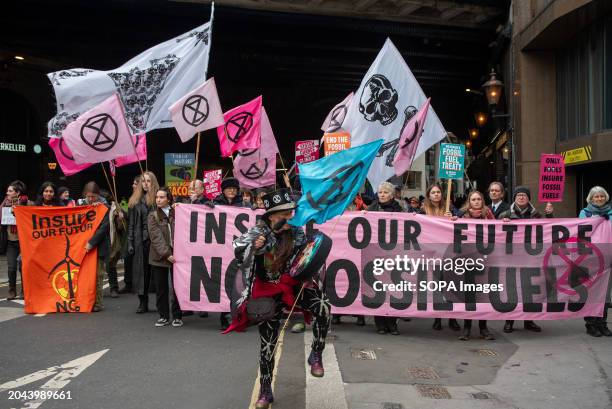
column 306, row 151
column 552, row 178
column 212, row 183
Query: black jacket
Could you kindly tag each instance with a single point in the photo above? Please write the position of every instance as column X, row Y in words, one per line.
column 390, row 206
column 503, row 206
column 101, row 238
column 222, row 200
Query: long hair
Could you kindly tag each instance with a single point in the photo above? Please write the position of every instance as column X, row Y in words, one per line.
column 168, row 194
column 18, row 186
column 283, row 251
column 39, row 199
column 137, row 193
column 466, row 207
column 150, row 195
column 430, row 208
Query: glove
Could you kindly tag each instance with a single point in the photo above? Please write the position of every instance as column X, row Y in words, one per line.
column 131, row 250
column 210, row 204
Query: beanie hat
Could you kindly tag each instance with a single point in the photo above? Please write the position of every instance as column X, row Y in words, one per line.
column 230, row 182
column 521, row 189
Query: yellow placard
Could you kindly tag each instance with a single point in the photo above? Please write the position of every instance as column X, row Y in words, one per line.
column 581, row 154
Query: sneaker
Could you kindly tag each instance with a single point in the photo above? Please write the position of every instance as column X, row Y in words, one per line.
column 203, row 314
column 114, row 293
column 162, row 322
column 315, row 360
column 177, row 322
column 97, row 308
column 299, row 327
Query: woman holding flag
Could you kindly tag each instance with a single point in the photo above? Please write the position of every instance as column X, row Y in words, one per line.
column 265, row 254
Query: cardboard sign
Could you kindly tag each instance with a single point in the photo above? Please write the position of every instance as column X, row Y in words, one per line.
column 179, row 172
column 212, row 183
column 336, row 142
column 306, row 151
column 552, row 178
column 8, row 218
column 451, row 161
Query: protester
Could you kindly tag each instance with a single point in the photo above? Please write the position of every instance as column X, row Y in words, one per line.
column 128, row 258
column 267, row 276
column 259, row 204
column 521, row 208
column 47, row 195
column 196, row 192
column 228, row 197
column 414, row 206
column 64, row 196
column 138, row 237
column 598, row 205
column 117, row 233
column 385, row 202
column 435, row 205
column 100, row 240
column 15, row 196
column 475, row 208
column 496, row 194
column 398, row 198
column 161, row 233
column 247, row 197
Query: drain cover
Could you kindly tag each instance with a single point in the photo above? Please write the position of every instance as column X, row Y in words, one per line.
column 391, row 405
column 481, row 395
column 423, row 373
column 365, row 354
column 433, row 391
column 486, row 352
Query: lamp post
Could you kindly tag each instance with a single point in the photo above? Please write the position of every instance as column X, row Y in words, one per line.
column 493, row 88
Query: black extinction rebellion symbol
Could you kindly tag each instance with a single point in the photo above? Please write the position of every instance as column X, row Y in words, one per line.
column 195, row 110
column 238, row 125
column 254, row 171
column 100, row 132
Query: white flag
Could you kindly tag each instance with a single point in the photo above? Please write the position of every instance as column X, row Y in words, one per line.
column 387, row 98
column 147, row 84
column 197, row 111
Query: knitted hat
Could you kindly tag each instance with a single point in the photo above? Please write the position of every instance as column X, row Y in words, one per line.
column 521, row 189
column 230, row 182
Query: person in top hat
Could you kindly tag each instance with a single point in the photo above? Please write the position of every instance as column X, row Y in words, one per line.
column 521, row 208
column 265, row 254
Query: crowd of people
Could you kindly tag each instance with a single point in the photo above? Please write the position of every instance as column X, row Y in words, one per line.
column 141, row 235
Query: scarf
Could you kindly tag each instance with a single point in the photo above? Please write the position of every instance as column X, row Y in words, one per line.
column 603, row 211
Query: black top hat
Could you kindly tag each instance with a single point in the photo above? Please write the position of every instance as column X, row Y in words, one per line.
column 277, row 201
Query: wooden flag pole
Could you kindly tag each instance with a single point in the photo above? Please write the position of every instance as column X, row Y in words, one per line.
column 197, row 156
column 286, row 175
column 449, row 185
column 110, row 187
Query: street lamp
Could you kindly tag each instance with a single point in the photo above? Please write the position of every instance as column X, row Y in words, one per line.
column 493, row 88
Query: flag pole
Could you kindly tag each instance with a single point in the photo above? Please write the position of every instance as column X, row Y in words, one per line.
column 197, row 156
column 286, row 175
column 108, row 180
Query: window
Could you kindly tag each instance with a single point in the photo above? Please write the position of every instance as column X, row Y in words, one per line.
column 414, row 180
column 583, row 83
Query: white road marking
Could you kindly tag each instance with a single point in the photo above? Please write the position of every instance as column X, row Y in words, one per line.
column 326, row 392
column 62, row 375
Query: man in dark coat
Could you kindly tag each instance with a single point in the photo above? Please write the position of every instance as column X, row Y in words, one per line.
column 496, row 194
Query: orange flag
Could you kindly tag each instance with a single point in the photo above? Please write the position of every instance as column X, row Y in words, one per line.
column 58, row 275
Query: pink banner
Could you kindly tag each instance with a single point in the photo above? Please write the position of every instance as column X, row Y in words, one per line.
column 407, row 265
column 552, row 178
column 212, row 183
column 306, row 151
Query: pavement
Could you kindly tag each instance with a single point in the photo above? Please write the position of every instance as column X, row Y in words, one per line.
column 118, row 359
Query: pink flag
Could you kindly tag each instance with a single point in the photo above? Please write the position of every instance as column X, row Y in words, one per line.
column 64, row 157
column 140, row 143
column 409, row 140
column 113, row 168
column 100, row 134
column 257, row 167
column 197, row 111
column 242, row 128
column 335, row 118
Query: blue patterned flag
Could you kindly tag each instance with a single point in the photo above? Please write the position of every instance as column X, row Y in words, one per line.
column 330, row 184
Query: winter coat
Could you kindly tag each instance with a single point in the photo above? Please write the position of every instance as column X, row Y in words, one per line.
column 502, row 207
column 138, row 240
column 391, row 206
column 101, row 238
column 161, row 233
column 222, row 200
column 514, row 213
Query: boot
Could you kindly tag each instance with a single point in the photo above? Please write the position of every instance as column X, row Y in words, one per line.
column 532, row 326
column 484, row 333
column 265, row 396
column 144, row 304
column 453, row 324
column 361, row 320
column 605, row 331
column 12, row 293
column 224, row 321
column 335, row 319
column 466, row 334
column 315, row 360
column 393, row 329
column 437, row 325
column 125, row 289
column 593, row 331
column 508, row 326
column 114, row 293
